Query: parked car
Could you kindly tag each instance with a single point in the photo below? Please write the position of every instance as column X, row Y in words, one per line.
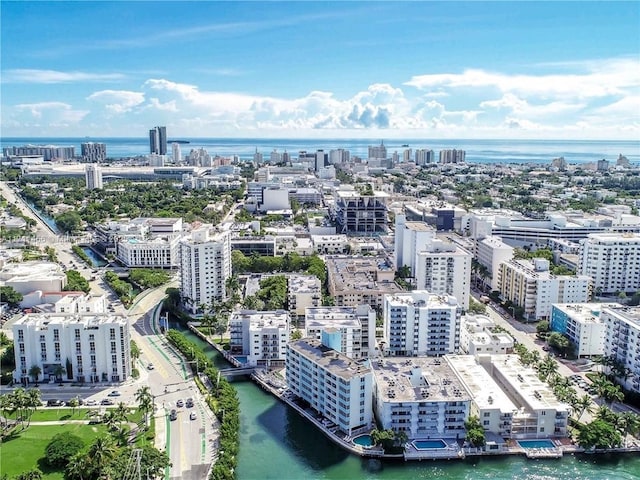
column 173, row 415
column 114, row 393
column 189, row 402
column 193, row 416
column 150, row 366
column 106, row 401
column 55, row 403
column 91, row 403
column 180, row 403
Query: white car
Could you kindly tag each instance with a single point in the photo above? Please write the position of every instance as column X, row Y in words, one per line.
column 193, row 416
column 91, row 403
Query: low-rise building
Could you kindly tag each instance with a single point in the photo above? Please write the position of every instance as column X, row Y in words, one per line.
column 330, row 244
column 477, row 336
column 27, row 277
column 489, row 403
column 156, row 252
column 260, row 336
column 82, row 347
column 539, row 414
column 421, row 397
column 334, row 385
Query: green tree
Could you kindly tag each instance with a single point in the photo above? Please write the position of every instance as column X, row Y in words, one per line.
column 59, row 371
column 33, row 474
column 62, row 448
column 547, row 367
column 296, row 334
column 69, row 221
column 73, row 403
column 559, row 341
column 581, row 405
column 542, row 326
column 76, row 282
column 475, row 431
column 145, row 401
column 10, row 296
column 34, row 373
column 599, row 434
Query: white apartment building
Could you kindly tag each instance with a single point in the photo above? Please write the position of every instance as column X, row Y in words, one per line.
column 205, row 265
column 410, row 238
column 622, row 341
column 260, row 336
column 491, row 252
column 452, row 156
column 93, row 152
column 539, row 413
column 351, row 330
column 330, row 244
column 421, row 323
column 530, row 285
column 156, row 252
column 334, row 385
column 27, row 277
column 612, row 260
column 477, row 336
column 419, row 396
column 304, row 291
column 91, row 347
column 444, row 268
column 93, row 176
column 488, row 402
column 581, row 323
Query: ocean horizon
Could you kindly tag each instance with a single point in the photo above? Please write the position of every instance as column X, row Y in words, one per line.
column 477, row 151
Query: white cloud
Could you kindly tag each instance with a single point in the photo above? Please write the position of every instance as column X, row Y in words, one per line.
column 49, row 112
column 118, row 101
column 53, row 76
column 600, row 79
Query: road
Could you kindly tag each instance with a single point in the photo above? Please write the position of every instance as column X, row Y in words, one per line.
column 190, row 443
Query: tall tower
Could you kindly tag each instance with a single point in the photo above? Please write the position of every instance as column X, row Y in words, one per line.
column 158, row 140
column 93, row 176
column 177, row 154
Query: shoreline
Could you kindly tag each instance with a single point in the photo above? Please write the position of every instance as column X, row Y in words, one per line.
column 410, row 454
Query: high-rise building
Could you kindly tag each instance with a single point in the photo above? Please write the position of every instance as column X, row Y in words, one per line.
column 379, row 151
column 48, row 152
column 93, row 152
column 158, row 140
column 410, row 238
column 205, row 265
column 257, row 157
column 93, row 176
column 612, row 260
column 424, row 156
column 339, row 155
column 177, row 154
column 420, row 323
column 452, row 156
column 444, row 268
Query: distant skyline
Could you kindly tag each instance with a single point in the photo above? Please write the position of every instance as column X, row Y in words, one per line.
column 548, row 70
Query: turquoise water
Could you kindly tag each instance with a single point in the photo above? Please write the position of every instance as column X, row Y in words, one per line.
column 276, row 443
column 425, row 444
column 536, row 443
column 96, row 259
column 364, row 440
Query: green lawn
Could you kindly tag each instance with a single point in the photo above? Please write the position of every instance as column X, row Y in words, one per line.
column 26, row 450
column 52, row 414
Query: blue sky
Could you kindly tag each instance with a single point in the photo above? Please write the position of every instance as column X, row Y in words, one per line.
column 321, row 69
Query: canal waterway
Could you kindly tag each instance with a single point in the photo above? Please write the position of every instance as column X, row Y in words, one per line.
column 96, row 259
column 276, row 443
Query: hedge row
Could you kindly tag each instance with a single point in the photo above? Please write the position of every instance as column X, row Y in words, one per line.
column 224, row 402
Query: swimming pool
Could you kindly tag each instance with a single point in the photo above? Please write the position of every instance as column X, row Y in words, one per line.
column 536, row 444
column 428, row 444
column 363, row 440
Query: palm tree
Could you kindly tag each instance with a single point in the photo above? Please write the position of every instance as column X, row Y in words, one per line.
column 59, row 371
column 606, row 414
column 534, row 357
column 145, row 401
column 612, row 393
column 110, row 419
column 32, row 401
column 547, row 367
column 34, row 372
column 73, row 403
column 121, row 413
column 629, row 423
column 101, row 453
column 581, row 405
column 600, row 383
column 78, row 468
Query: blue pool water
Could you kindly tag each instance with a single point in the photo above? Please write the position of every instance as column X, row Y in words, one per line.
column 363, row 440
column 241, row 358
column 536, row 443
column 426, row 444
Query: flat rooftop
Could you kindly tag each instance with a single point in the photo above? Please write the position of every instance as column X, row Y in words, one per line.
column 87, row 320
column 483, row 389
column 417, row 379
column 332, row 361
